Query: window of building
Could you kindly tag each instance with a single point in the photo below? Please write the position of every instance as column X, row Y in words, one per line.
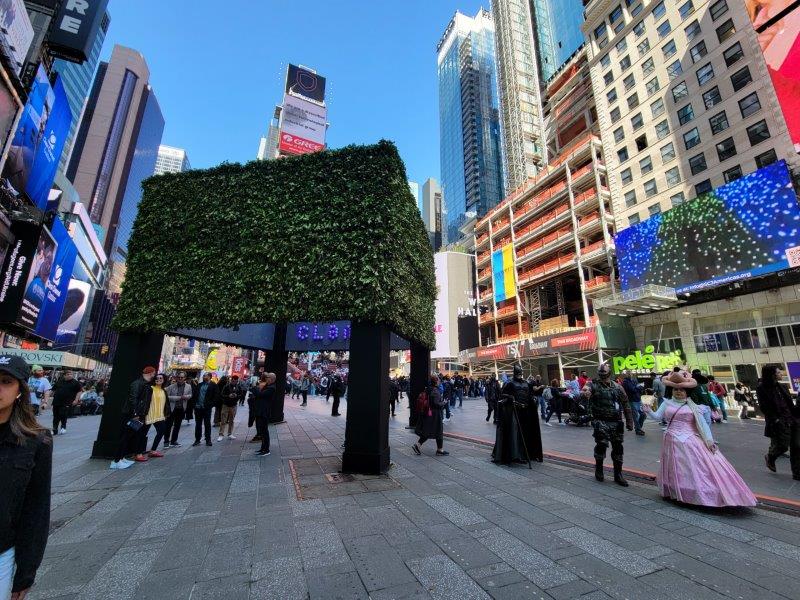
column 712, row 97
column 650, row 188
column 605, row 62
column 625, row 63
column 705, row 74
column 626, row 176
column 662, row 129
column 749, row 105
column 602, row 43
column 659, row 10
column 636, row 10
column 769, row 157
column 732, row 174
column 691, row 138
column 622, row 45
column 638, row 29
column 654, row 209
column 680, row 91
column 615, row 15
column 611, row 95
column 646, row 165
column 741, row 78
column 733, row 54
column 619, row 135
column 779, row 336
column 600, row 31
column 672, row 176
column 685, row 114
column 608, row 78
column 697, row 163
column 719, row 8
column 758, row 132
column 629, row 82
column 633, row 219
column 622, row 154
column 633, row 101
column 657, row 107
column 669, row 49
column 648, row 67
column 719, row 122
column 702, row 187
column 725, row 31
column 630, row 199
column 636, row 121
column 663, row 30
column 667, row 152
column 693, row 30
column 643, row 47
column 686, row 9
column 614, row 114
column 726, row 149
column 652, row 86
column 677, row 199
column 674, row 70
column 698, row 51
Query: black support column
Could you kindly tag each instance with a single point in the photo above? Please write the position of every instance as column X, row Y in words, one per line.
column 276, row 362
column 367, row 429
column 134, row 352
column 420, row 372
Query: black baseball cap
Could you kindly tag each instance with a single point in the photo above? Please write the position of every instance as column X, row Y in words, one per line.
column 15, row 366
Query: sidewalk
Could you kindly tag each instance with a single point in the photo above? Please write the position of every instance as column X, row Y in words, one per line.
column 218, row 522
column 742, row 442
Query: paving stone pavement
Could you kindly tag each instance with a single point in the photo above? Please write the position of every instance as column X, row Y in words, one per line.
column 205, row 523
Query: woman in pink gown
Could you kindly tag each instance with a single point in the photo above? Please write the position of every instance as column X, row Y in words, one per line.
column 693, row 470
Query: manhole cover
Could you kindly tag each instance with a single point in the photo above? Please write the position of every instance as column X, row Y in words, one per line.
column 339, row 477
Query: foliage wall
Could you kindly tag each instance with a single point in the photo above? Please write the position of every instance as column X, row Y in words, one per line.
column 319, row 237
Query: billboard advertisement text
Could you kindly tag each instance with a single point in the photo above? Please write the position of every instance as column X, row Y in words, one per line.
column 303, row 125
column 75, row 28
column 302, row 82
column 747, row 228
column 17, row 30
column 38, row 277
column 16, row 266
column 57, row 283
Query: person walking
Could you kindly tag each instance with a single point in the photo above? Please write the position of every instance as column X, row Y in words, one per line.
column 336, row 386
column 179, row 394
column 40, row 389
column 207, row 393
column 394, row 394
column 492, row 397
column 633, row 390
column 26, row 461
column 189, row 413
column 157, row 416
column 134, row 411
column 230, row 400
column 782, row 419
column 693, row 470
column 741, row 397
column 429, row 422
column 66, row 394
column 718, row 389
column 305, row 384
column 537, row 389
column 263, row 396
column 223, row 381
column 556, row 399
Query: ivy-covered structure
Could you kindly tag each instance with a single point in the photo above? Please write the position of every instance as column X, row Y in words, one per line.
column 320, row 237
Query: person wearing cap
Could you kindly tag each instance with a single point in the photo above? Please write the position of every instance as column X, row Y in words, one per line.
column 134, row 413
column 26, row 459
column 40, row 389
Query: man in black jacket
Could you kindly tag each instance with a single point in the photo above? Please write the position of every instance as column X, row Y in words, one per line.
column 205, row 400
column 492, row 396
column 134, row 410
column 336, row 386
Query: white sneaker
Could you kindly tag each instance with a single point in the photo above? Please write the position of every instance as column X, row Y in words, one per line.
column 114, row 465
column 231, row 437
column 220, row 438
column 548, row 424
column 724, row 420
column 125, row 463
column 62, row 431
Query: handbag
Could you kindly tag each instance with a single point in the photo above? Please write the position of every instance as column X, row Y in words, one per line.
column 135, row 425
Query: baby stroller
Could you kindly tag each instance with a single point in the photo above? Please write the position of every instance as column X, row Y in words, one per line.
column 578, row 411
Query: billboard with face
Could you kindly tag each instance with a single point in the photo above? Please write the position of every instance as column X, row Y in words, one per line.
column 744, row 229
column 57, row 283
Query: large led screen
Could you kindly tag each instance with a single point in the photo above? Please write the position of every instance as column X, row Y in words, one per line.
column 744, row 229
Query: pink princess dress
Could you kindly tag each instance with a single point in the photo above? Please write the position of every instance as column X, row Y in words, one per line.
column 690, row 471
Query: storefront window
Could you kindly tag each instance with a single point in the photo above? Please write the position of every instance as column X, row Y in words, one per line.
column 733, row 340
column 779, row 336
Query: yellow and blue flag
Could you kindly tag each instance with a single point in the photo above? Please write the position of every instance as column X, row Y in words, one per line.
column 504, row 276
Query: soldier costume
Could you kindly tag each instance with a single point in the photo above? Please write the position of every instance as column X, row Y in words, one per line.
column 518, row 436
column 607, row 405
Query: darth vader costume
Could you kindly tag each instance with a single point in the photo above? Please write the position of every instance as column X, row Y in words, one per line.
column 518, row 437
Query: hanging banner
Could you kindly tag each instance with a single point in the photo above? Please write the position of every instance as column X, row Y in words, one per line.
column 504, row 277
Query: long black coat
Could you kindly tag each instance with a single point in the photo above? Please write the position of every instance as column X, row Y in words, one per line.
column 261, row 400
column 518, row 436
column 430, row 426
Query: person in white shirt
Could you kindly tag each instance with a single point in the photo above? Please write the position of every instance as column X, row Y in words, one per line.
column 40, row 389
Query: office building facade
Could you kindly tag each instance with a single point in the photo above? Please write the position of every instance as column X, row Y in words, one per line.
column 470, row 148
column 684, row 100
column 557, row 31
column 432, row 201
column 171, row 160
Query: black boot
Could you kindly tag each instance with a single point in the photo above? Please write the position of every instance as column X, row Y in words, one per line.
column 598, row 469
column 618, row 478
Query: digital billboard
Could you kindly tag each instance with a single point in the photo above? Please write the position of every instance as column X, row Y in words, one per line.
column 17, row 31
column 744, row 229
column 38, row 277
column 303, row 82
column 57, row 283
column 302, row 126
column 75, row 304
column 777, row 23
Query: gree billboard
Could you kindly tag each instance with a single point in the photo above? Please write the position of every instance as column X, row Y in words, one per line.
column 302, row 126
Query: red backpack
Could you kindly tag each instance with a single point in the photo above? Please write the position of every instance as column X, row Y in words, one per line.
column 423, row 403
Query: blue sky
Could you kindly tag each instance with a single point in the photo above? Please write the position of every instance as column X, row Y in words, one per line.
column 218, row 69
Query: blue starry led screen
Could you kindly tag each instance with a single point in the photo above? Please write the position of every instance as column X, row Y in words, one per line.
column 744, row 229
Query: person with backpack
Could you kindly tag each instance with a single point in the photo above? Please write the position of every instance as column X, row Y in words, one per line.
column 430, row 404
column 700, row 395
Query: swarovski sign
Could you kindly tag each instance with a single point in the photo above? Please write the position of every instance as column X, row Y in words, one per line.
column 75, row 29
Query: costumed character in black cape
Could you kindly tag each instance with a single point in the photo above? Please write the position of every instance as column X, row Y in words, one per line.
column 518, row 437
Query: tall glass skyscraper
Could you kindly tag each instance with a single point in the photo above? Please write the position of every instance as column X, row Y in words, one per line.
column 557, row 28
column 469, row 121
